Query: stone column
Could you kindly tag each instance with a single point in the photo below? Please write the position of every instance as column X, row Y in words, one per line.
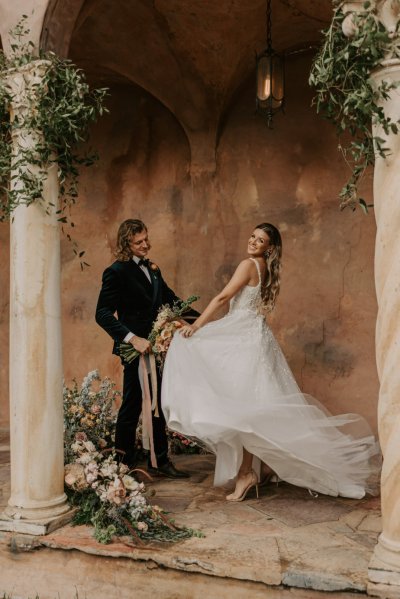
column 384, row 569
column 37, row 503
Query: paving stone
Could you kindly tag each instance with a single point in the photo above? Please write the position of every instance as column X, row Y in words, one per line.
column 384, row 591
column 371, row 523
column 173, row 504
column 338, row 526
column 367, row 540
column 329, row 569
column 298, row 508
column 354, row 518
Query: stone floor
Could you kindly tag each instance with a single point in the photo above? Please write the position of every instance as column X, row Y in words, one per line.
column 278, row 546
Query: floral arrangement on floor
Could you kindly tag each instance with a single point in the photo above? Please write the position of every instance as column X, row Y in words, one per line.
column 179, row 444
column 106, row 493
column 89, row 413
column 162, row 332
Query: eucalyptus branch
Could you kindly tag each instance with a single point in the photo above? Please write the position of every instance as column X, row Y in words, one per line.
column 345, row 95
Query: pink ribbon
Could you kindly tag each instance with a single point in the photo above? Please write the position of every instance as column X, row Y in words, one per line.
column 147, row 408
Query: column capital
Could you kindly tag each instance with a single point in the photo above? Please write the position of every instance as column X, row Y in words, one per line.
column 24, row 85
column 388, row 13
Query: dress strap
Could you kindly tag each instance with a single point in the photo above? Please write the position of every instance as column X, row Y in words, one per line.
column 258, row 269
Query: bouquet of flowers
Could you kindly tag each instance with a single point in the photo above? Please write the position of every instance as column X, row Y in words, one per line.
column 162, row 332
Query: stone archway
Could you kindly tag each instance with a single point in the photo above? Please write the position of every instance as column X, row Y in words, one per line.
column 58, row 25
column 183, row 46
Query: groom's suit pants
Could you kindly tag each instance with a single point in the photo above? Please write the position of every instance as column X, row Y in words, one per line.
column 128, row 418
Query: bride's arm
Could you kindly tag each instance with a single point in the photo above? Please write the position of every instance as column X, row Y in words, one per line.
column 240, row 278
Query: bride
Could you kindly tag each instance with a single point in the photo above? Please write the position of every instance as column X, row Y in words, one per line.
column 227, row 383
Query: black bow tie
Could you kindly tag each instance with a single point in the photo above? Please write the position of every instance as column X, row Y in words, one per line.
column 143, row 262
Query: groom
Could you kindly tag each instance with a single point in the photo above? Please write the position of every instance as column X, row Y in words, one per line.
column 133, row 290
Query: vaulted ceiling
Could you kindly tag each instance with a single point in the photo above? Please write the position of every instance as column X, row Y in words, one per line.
column 190, row 54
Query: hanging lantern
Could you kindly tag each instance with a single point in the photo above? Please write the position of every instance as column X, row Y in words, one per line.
column 270, row 77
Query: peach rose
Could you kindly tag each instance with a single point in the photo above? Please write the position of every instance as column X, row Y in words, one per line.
column 166, row 334
column 74, row 476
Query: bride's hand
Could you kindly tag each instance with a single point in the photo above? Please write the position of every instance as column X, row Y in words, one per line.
column 188, row 330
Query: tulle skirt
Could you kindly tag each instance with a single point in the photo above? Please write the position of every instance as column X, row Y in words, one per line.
column 230, row 387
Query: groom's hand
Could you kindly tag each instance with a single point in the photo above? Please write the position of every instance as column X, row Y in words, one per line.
column 140, row 344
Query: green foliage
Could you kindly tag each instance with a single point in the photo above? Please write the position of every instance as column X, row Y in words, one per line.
column 61, row 107
column 346, row 96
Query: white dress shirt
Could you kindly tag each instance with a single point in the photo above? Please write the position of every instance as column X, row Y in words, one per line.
column 129, row 336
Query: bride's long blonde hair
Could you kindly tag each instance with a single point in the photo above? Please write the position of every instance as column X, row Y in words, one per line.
column 273, row 255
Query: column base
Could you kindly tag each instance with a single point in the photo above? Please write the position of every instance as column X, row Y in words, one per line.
column 15, row 519
column 384, row 570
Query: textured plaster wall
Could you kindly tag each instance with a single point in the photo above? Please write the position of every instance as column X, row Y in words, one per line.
column 199, row 224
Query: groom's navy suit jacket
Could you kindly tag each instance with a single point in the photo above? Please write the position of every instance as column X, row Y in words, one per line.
column 127, row 292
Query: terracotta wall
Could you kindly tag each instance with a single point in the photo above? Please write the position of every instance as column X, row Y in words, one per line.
column 199, row 224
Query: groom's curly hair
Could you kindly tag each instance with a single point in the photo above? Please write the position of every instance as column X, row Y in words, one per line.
column 127, row 229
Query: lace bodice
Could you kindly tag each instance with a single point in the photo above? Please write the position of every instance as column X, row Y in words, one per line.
column 249, row 297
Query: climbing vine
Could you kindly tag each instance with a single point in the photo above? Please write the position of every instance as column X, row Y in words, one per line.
column 61, row 108
column 346, row 96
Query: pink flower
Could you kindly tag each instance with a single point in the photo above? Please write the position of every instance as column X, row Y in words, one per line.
column 89, row 446
column 95, row 409
column 166, row 334
column 80, row 436
column 116, row 492
column 91, row 478
column 158, row 347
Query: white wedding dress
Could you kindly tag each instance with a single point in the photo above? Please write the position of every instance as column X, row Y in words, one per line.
column 230, row 387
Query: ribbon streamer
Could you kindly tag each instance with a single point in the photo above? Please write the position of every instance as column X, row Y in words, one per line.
column 147, row 365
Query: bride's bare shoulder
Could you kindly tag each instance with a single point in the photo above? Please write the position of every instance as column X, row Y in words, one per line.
column 245, row 265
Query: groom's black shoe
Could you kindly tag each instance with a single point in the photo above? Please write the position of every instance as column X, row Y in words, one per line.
column 168, row 470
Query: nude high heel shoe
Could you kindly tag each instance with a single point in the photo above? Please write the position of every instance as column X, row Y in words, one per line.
column 253, row 483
